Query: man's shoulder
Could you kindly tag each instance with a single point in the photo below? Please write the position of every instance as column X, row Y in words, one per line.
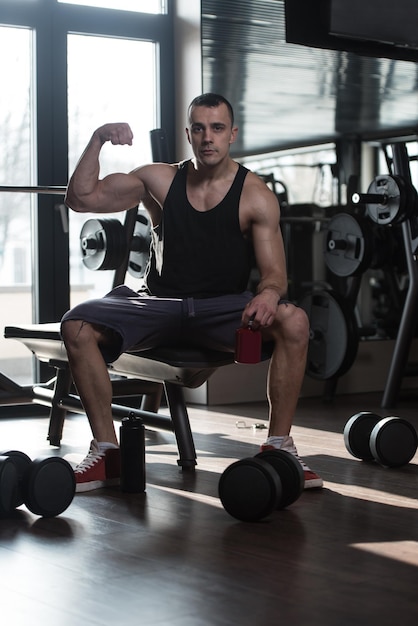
column 256, row 184
column 257, row 198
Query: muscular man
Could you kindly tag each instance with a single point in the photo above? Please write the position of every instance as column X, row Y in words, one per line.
column 207, row 213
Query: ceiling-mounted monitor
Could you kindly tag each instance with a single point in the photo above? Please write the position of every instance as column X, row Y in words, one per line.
column 382, row 21
column 376, row 28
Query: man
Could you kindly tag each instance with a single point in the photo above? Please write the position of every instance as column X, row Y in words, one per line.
column 206, row 214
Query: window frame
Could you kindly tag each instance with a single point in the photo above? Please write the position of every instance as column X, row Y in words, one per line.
column 51, row 22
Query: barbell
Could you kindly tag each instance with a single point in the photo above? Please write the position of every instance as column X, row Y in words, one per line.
column 39, row 189
column 104, row 243
column 389, row 200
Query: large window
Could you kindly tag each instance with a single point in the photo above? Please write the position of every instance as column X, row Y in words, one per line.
column 16, row 169
column 140, row 6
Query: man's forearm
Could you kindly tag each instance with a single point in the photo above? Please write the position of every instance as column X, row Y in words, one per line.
column 84, row 180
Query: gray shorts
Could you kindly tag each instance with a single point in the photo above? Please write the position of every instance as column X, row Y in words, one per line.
column 143, row 322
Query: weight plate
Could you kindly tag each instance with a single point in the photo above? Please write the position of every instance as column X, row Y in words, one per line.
column 250, row 489
column 348, row 245
column 334, row 337
column 49, row 486
column 290, row 472
column 103, row 244
column 140, row 245
column 392, row 209
column 22, row 461
column 393, row 442
column 8, row 485
column 357, row 433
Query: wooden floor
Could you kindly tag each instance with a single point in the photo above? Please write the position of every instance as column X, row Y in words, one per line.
column 344, row 555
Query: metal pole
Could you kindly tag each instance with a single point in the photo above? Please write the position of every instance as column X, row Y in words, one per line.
column 408, row 320
column 57, row 191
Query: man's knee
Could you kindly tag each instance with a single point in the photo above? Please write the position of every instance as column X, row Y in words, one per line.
column 292, row 324
column 75, row 332
column 300, row 324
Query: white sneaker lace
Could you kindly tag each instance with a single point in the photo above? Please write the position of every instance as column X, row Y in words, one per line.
column 91, row 459
column 292, row 450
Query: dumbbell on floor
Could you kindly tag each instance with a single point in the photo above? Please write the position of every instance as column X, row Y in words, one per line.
column 46, row 485
column 391, row 441
column 252, row 488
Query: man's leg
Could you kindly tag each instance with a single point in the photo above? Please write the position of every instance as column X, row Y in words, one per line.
column 101, row 466
column 287, row 367
column 286, row 371
column 90, row 375
column 145, row 321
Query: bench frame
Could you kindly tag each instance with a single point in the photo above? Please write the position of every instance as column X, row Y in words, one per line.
column 148, row 374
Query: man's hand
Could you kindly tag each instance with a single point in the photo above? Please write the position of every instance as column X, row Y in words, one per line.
column 118, row 133
column 261, row 309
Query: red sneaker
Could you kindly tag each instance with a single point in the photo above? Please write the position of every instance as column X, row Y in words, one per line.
column 98, row 469
column 312, row 480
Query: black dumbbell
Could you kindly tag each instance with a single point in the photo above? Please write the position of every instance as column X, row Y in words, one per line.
column 252, row 488
column 13, row 465
column 391, row 441
column 46, row 485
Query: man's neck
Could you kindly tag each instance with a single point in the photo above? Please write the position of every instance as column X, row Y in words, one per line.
column 220, row 171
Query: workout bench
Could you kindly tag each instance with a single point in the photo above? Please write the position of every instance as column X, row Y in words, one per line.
column 145, row 373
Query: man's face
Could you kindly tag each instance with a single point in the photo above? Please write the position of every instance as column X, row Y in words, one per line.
column 210, row 133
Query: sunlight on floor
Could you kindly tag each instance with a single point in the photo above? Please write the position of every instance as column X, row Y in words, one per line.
column 372, row 495
column 403, row 551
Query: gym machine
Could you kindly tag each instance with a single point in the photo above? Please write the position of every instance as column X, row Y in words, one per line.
column 378, row 230
column 392, row 201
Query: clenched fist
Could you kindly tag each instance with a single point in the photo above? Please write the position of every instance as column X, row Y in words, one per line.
column 119, row 133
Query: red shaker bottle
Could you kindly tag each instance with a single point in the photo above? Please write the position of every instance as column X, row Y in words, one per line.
column 247, row 345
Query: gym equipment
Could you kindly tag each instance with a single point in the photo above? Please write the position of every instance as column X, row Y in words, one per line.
column 252, row 488
column 357, row 433
column 146, row 372
column 389, row 199
column 407, row 326
column 334, row 336
column 46, row 485
column 348, row 245
column 391, row 441
column 48, row 190
column 291, row 474
column 21, row 461
column 102, row 243
column 8, row 485
column 140, row 245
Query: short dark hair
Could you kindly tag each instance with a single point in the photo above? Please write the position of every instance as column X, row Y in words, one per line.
column 211, row 100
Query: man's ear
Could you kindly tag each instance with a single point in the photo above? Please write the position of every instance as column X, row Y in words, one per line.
column 188, row 135
column 234, row 133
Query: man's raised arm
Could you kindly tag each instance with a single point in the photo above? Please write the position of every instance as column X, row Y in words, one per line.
column 87, row 193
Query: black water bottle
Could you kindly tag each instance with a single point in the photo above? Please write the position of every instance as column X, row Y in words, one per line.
column 132, row 454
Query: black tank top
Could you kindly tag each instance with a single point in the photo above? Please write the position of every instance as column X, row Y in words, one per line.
column 199, row 254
